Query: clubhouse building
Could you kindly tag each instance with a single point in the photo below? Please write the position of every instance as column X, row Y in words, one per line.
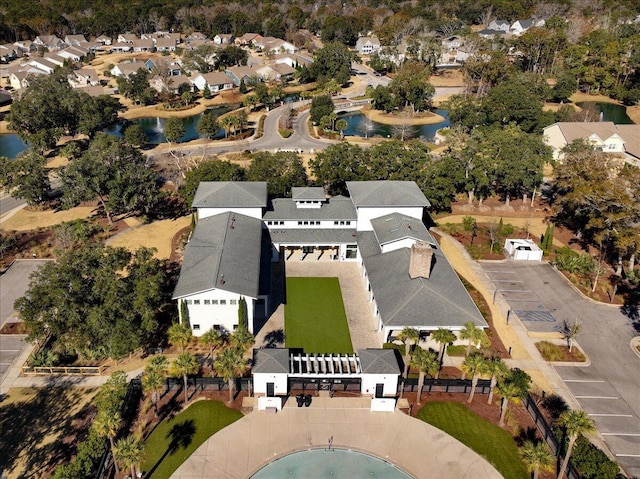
column 240, row 233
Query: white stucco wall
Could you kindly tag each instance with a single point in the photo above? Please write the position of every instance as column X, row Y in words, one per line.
column 279, row 381
column 293, row 224
column 205, row 316
column 252, row 212
column 555, row 139
column 369, row 381
column 403, row 243
column 366, row 214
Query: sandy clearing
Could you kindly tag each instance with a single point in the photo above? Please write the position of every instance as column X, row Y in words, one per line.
column 26, row 219
column 136, row 111
column 156, row 235
column 426, row 118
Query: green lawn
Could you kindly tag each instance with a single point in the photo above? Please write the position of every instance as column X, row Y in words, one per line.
column 314, row 316
column 175, row 439
column 490, row 441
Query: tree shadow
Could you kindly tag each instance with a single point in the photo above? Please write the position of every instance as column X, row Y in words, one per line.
column 274, row 339
column 555, row 405
column 42, row 424
column 180, row 437
column 528, row 434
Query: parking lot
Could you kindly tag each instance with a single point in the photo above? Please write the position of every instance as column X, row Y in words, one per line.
column 13, row 284
column 609, row 389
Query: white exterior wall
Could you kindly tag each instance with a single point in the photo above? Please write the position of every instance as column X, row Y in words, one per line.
column 280, row 383
column 369, row 381
column 366, row 214
column 404, row 243
column 614, row 144
column 293, row 224
column 207, row 315
column 251, row 212
column 555, row 139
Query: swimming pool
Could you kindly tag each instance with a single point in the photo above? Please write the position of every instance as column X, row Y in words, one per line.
column 333, row 464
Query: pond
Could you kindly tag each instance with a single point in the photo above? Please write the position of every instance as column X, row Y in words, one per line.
column 610, row 112
column 11, row 144
column 360, row 125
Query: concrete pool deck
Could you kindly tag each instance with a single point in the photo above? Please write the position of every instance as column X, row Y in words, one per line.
column 421, row 450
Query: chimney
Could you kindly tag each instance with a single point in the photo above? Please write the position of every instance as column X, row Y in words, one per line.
column 421, row 260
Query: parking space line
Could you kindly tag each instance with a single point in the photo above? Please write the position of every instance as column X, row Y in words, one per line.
column 627, row 455
column 633, row 434
column 583, row 381
column 610, row 415
column 514, row 291
column 498, row 271
column 507, row 281
column 596, row 397
column 10, row 350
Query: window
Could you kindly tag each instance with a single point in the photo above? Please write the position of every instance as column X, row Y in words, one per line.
column 214, row 301
column 196, row 327
column 233, row 301
column 235, row 327
column 187, row 301
column 196, row 301
column 299, row 223
column 217, row 327
column 223, row 301
column 207, row 301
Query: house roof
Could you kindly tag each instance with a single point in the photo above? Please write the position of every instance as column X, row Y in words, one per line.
column 378, row 361
column 308, row 193
column 631, row 136
column 224, row 253
column 394, row 227
column 313, row 236
column 283, row 69
column 270, row 361
column 241, row 71
column 221, row 194
column 575, row 130
column 131, row 67
column 440, row 301
column 386, row 193
column 216, row 78
column 337, row 208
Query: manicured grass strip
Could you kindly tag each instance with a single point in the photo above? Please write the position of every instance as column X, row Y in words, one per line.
column 490, row 441
column 175, row 439
column 314, row 316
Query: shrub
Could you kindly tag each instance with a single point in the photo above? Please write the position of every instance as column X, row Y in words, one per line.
column 468, row 222
column 550, row 351
column 456, row 350
column 573, row 262
column 592, row 462
column 285, row 133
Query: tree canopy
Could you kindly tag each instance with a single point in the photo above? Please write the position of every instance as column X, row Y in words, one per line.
column 96, row 301
column 282, row 171
column 333, row 61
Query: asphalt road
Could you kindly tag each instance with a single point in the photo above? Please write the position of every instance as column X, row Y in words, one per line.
column 7, row 203
column 609, row 389
column 13, row 284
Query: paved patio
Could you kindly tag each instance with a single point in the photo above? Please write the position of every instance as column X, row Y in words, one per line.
column 421, row 450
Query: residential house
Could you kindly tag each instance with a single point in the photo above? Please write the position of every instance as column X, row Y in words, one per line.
column 452, row 43
column 275, row 72
column 75, row 40
column 8, row 52
column 126, row 38
column 143, row 45
column 501, row 25
column 463, row 54
column 50, row 42
column 83, row 77
column 520, row 26
column 217, row 81
column 53, row 58
column 248, row 39
column 103, row 40
column 44, row 65
column 20, row 79
column 293, row 60
column 171, row 84
column 606, row 136
column 126, row 69
column 25, row 47
column 75, row 54
column 241, row 74
column 275, row 45
column 165, row 45
column 120, row 47
column 490, row 34
column 367, row 45
column 223, row 39
column 196, row 36
column 194, row 44
column 408, row 278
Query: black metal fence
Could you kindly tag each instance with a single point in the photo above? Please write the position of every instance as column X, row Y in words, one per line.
column 204, row 383
column 444, row 386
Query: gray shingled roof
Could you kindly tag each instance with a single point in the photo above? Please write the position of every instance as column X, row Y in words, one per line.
column 220, row 194
column 440, row 301
column 271, row 361
column 337, row 208
column 309, row 236
column 394, row 227
column 224, row 253
column 386, row 193
column 307, row 193
column 378, row 361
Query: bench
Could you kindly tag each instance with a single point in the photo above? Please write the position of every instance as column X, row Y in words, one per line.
column 271, row 410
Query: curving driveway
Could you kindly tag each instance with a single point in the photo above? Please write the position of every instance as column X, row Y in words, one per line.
column 421, row 450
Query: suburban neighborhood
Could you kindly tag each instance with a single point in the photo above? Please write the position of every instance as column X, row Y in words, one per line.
column 320, row 239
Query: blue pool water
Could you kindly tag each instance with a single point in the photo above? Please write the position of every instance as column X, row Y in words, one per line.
column 333, row 464
column 11, row 145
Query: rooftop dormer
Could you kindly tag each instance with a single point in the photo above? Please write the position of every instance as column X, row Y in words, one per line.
column 308, row 196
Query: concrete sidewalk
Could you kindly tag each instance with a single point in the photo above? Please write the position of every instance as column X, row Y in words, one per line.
column 418, row 448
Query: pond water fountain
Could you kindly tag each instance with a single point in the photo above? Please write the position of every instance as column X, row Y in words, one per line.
column 360, row 125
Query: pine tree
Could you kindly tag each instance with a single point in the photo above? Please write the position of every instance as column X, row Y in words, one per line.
column 243, row 87
column 206, row 93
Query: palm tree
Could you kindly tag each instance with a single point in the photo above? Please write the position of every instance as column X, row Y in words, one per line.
column 180, row 334
column 571, row 331
column 536, row 457
column 228, row 365
column 498, row 370
column 473, row 334
column 185, row 364
column 152, row 383
column 408, row 336
column 213, row 340
column 108, row 425
column 509, row 391
column 442, row 337
column 427, row 363
column 241, row 339
column 575, row 422
column 157, row 363
column 342, row 125
column 474, row 365
column 129, row 452
column 225, row 123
